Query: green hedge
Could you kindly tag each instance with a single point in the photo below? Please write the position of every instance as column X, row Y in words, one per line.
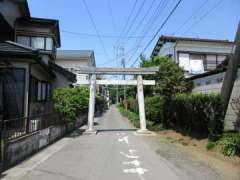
column 70, row 101
column 101, row 103
column 201, row 113
column 154, row 109
column 197, row 113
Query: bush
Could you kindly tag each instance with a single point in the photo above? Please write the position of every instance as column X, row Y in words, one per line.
column 211, row 145
column 230, row 144
column 101, row 104
column 154, row 109
column 169, row 79
column 132, row 116
column 199, row 113
column 70, row 101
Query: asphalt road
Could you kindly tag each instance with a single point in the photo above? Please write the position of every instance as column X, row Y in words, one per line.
column 115, row 153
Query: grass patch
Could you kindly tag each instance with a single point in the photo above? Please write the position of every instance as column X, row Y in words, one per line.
column 229, row 144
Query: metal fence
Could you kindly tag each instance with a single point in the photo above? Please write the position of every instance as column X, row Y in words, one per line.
column 14, row 128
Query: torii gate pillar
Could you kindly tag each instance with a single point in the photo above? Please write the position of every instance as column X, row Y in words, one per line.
column 143, row 127
column 91, row 108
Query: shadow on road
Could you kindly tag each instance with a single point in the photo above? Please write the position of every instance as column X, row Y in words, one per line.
column 75, row 133
column 116, row 130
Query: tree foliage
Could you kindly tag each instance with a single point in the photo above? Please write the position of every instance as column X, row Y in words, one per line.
column 71, row 101
column 169, row 79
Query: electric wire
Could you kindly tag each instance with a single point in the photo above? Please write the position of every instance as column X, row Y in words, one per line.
column 159, row 29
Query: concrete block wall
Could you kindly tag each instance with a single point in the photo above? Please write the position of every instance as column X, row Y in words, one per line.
column 231, row 118
column 21, row 148
column 18, row 149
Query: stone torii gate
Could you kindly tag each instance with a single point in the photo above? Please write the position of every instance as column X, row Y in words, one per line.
column 92, row 72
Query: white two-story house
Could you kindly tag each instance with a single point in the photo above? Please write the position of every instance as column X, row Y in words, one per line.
column 72, row 59
column 194, row 55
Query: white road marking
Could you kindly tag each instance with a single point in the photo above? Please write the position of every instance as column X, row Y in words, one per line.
column 123, row 139
column 135, row 163
column 129, row 156
column 139, row 171
column 132, row 151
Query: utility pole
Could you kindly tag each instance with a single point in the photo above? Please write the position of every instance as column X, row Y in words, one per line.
column 123, row 63
column 231, row 72
column 117, row 56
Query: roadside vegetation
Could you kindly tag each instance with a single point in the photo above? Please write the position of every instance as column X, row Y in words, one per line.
column 70, row 102
column 171, row 105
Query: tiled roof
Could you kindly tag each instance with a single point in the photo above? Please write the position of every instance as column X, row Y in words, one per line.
column 162, row 39
column 176, row 38
column 75, row 54
column 12, row 48
column 69, row 75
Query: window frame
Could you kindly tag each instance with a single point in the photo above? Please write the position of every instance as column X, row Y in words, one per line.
column 202, row 54
column 44, row 93
column 45, row 41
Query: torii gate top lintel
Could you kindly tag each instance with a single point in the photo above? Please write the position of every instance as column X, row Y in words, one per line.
column 116, row 71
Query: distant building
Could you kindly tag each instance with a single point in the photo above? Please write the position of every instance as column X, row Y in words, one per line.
column 72, row 59
column 194, row 55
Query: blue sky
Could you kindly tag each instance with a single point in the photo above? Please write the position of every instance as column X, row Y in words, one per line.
column 216, row 19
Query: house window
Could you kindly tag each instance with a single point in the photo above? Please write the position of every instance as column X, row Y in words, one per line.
column 43, row 91
column 211, row 62
column 196, row 63
column 37, row 42
column 43, row 43
column 24, row 40
column 184, row 61
column 39, row 90
column 49, row 44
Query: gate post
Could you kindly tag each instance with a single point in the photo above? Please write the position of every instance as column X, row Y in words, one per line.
column 91, row 107
column 142, row 117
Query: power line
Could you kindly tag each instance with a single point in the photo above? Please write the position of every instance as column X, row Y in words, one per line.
column 145, row 15
column 111, row 14
column 95, row 27
column 128, row 19
column 203, row 16
column 193, row 15
column 159, row 29
column 135, row 17
column 152, row 20
column 104, row 36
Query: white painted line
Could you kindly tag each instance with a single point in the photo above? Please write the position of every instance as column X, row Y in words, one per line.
column 132, row 151
column 129, row 156
column 135, row 163
column 139, row 171
column 123, row 139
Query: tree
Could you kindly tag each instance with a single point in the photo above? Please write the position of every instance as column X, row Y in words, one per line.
column 169, row 79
